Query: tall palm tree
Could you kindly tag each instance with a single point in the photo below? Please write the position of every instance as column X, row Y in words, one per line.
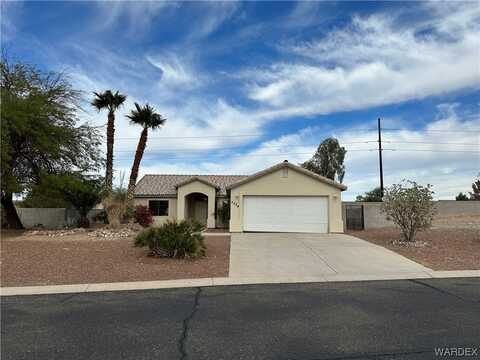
column 111, row 102
column 147, row 118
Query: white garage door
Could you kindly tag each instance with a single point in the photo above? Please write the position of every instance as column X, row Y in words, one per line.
column 285, row 214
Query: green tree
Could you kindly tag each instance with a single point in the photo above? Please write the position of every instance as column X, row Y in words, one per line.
column 475, row 194
column 328, row 160
column 74, row 190
column 410, row 206
column 462, row 197
column 374, row 195
column 147, row 118
column 111, row 102
column 40, row 131
column 44, row 195
column 83, row 193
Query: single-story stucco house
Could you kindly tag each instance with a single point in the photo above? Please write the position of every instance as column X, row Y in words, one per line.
column 282, row 198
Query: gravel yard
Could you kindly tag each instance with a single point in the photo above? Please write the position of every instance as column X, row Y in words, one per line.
column 440, row 248
column 79, row 258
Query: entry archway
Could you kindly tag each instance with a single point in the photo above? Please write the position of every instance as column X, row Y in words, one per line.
column 196, row 207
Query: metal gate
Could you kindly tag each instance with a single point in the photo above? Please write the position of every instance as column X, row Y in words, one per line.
column 354, row 217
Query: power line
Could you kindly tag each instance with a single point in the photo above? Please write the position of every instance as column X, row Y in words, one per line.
column 238, row 147
column 432, row 130
column 193, row 157
column 258, row 135
column 304, row 145
column 430, row 143
column 191, row 137
column 357, row 129
column 245, row 155
column 436, row 151
column 380, row 162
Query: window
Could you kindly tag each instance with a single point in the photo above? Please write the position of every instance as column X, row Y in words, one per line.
column 158, row 207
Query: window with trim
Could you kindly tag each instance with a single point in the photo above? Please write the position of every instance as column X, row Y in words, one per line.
column 158, row 207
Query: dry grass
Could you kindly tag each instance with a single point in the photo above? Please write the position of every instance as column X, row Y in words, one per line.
column 71, row 259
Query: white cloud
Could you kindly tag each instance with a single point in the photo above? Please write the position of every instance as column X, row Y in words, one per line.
column 134, row 16
column 370, row 62
column 176, row 72
column 431, row 162
column 374, row 62
column 449, row 172
column 213, row 15
column 10, row 20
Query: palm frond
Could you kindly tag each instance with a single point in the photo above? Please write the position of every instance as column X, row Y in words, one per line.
column 108, row 100
column 146, row 117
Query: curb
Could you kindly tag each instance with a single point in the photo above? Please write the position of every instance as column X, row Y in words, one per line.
column 223, row 281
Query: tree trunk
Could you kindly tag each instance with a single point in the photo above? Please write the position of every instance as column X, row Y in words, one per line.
column 11, row 215
column 83, row 222
column 142, row 143
column 110, row 140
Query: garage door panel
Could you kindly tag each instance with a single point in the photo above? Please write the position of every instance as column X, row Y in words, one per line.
column 286, row 214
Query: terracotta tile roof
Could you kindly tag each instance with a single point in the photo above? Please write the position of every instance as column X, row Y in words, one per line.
column 166, row 185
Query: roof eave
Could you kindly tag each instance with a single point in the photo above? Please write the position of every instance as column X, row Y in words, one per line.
column 186, row 182
column 274, row 168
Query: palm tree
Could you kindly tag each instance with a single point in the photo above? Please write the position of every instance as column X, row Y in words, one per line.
column 110, row 101
column 148, row 119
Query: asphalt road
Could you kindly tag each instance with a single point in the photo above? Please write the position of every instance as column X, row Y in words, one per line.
column 351, row 320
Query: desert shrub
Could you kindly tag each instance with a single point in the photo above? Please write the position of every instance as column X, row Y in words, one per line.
column 173, row 239
column 115, row 209
column 410, row 206
column 143, row 216
column 101, row 217
column 223, row 213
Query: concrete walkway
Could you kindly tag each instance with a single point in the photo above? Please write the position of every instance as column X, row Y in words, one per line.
column 204, row 282
column 280, row 255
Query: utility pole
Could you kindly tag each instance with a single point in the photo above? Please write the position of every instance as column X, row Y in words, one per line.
column 380, row 154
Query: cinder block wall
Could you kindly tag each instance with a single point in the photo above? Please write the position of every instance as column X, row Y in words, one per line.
column 374, row 218
column 51, row 218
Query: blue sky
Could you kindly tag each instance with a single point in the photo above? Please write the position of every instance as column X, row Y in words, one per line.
column 246, row 85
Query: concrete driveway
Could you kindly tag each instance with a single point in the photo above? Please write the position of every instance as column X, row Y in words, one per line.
column 312, row 256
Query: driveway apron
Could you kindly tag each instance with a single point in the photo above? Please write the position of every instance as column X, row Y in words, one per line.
column 294, row 255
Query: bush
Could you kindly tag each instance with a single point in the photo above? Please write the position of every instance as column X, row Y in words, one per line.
column 115, row 210
column 462, row 197
column 101, row 217
column 173, row 239
column 223, row 213
column 143, row 216
column 409, row 207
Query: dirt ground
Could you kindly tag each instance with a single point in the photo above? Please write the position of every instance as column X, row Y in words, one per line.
column 72, row 259
column 443, row 247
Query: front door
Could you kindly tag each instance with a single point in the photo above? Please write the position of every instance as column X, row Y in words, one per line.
column 200, row 212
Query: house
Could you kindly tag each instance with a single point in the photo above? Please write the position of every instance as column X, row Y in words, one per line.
column 282, row 198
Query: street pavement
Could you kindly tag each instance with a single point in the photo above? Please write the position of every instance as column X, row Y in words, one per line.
column 398, row 319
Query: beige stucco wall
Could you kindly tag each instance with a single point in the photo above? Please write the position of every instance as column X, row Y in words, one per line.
column 295, row 184
column 159, row 220
column 197, row 187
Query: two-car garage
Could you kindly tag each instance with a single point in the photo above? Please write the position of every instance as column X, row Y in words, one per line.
column 286, row 198
column 285, row 213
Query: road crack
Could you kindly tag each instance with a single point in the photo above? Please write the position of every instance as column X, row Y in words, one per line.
column 186, row 322
column 445, row 292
